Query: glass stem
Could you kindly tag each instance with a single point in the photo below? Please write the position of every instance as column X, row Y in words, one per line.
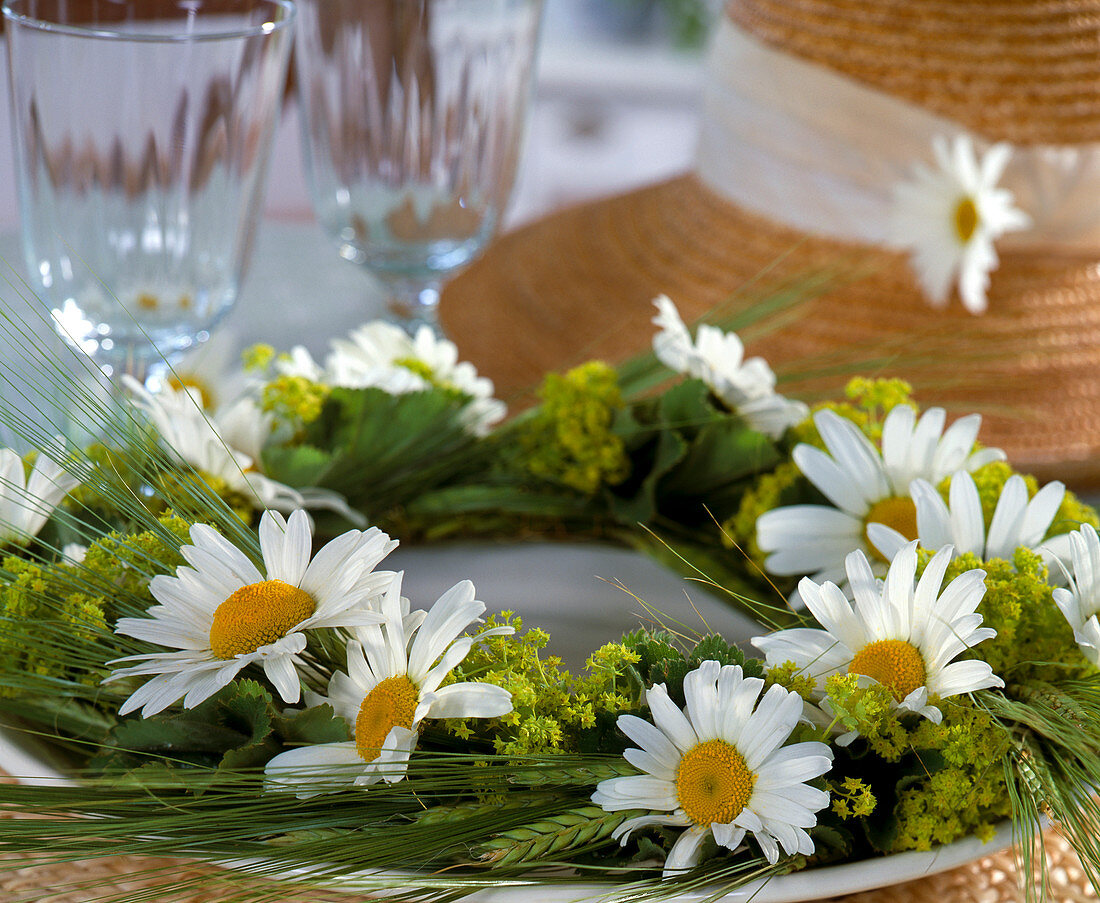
column 413, row 303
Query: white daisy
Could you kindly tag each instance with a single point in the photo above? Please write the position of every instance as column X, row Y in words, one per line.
column 392, row 684
column 213, row 368
column 1081, row 602
column 1017, row 521
column 718, row 359
column 902, row 633
column 719, row 767
column 299, row 362
column 27, row 502
column 949, row 217
column 223, row 614
column 865, row 486
column 383, row 356
column 226, row 445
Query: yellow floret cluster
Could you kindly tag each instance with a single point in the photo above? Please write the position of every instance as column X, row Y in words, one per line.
column 294, row 399
column 851, row 798
column 46, row 596
column 550, row 707
column 569, row 439
column 175, row 485
column 869, row 401
column 1034, row 642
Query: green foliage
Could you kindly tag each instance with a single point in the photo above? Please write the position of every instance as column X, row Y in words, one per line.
column 236, row 729
column 1054, row 755
column 662, row 660
column 569, row 439
column 378, row 450
column 688, row 456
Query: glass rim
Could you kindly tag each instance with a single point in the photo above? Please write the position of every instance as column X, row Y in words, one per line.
column 104, row 32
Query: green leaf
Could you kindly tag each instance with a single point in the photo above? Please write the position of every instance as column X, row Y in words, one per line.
column 831, row 843
column 722, row 453
column 389, row 449
column 317, row 724
column 636, row 501
column 297, row 465
column 230, row 730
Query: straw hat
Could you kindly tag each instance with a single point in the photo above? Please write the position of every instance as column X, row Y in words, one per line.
column 819, row 118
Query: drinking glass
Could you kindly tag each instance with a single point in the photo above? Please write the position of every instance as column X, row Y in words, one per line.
column 142, row 133
column 412, row 114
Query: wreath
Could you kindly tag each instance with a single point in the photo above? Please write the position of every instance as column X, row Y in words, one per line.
column 198, row 617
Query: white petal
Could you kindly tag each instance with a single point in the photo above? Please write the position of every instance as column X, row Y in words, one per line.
column 650, row 739
column 701, row 696
column 1008, row 519
column 685, row 852
column 669, row 719
column 770, row 725
column 830, row 479
column 455, row 610
column 283, row 676
column 303, row 768
column 471, row 700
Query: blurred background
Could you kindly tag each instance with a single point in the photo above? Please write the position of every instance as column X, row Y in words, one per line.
column 616, row 107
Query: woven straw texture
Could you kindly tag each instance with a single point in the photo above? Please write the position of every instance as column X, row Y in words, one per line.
column 579, row 284
column 992, row 879
column 1025, row 71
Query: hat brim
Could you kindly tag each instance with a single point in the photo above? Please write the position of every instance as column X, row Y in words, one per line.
column 579, row 285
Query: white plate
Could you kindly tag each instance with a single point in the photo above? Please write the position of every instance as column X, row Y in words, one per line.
column 568, row 590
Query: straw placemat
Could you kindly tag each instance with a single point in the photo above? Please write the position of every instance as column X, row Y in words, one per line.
column 991, row 879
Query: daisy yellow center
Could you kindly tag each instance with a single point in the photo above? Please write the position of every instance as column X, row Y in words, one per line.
column 392, row 703
column 895, row 664
column 898, row 512
column 183, row 381
column 966, row 219
column 713, row 784
column 256, row 615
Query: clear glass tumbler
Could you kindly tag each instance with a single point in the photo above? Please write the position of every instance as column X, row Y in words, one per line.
column 413, row 113
column 142, row 134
